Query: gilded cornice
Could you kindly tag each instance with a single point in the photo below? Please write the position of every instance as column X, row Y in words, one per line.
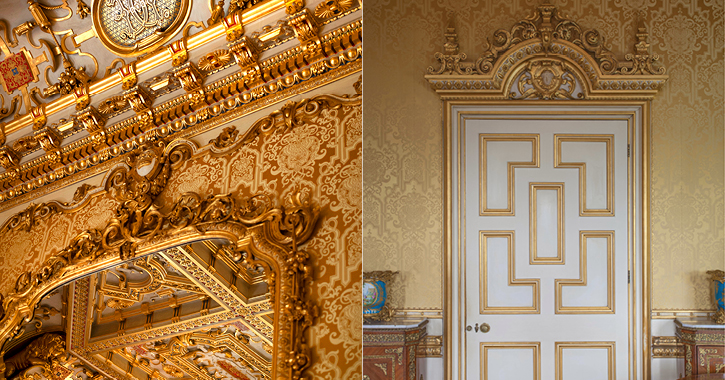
column 547, row 56
column 202, row 103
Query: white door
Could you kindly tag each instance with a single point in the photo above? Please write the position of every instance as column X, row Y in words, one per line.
column 545, row 223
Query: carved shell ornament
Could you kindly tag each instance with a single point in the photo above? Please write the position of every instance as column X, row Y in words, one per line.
column 548, row 56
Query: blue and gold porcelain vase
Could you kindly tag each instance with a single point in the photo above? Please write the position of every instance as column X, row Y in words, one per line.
column 374, row 295
column 376, row 290
column 718, row 279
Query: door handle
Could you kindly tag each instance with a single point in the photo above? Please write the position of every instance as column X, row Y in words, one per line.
column 485, row 327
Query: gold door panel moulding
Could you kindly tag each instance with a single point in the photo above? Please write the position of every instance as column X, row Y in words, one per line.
column 558, row 163
column 485, row 138
column 535, row 347
column 512, row 280
column 667, row 347
column 534, row 258
column 559, row 348
column 582, row 280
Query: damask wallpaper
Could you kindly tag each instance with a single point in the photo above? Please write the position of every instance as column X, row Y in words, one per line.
column 404, row 142
column 319, row 156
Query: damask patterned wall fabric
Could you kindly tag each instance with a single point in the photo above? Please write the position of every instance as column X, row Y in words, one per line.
column 404, row 141
column 322, row 160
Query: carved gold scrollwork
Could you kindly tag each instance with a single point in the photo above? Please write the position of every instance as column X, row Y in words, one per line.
column 573, row 53
column 70, row 79
column 92, row 121
column 546, row 79
column 26, row 219
column 112, row 105
column 193, row 82
column 141, row 102
column 642, row 61
column 41, row 351
column 258, row 232
column 226, row 138
column 50, row 140
column 10, row 160
column 451, row 61
column 82, row 10
column 332, row 8
column 138, row 221
column 306, row 31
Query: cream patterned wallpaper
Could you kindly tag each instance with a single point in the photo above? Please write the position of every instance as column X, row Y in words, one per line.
column 403, row 134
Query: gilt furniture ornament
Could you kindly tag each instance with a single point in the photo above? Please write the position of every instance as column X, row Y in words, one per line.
column 376, row 290
column 718, row 279
column 704, row 346
column 390, row 349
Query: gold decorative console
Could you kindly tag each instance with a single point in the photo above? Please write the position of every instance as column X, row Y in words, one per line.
column 704, row 344
column 390, row 350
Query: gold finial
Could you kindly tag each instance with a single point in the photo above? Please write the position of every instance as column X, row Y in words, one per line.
column 451, row 45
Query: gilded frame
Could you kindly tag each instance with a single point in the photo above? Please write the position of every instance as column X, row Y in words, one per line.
column 596, row 77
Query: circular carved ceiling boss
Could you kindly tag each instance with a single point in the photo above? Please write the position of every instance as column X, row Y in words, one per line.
column 132, row 27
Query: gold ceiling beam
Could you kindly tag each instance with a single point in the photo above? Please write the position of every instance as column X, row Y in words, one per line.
column 154, row 60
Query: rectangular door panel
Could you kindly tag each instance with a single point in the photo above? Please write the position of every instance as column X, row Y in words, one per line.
column 544, row 218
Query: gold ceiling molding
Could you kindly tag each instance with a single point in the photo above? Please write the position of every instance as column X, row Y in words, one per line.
column 259, row 82
column 547, row 56
column 231, row 29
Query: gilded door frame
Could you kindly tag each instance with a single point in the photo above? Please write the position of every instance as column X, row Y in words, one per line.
column 641, row 274
column 580, row 70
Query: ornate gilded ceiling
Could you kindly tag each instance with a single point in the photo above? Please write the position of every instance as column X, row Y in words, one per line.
column 84, row 84
column 131, row 321
column 119, row 87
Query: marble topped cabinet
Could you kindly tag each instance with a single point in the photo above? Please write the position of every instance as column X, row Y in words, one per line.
column 704, row 343
column 390, row 349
